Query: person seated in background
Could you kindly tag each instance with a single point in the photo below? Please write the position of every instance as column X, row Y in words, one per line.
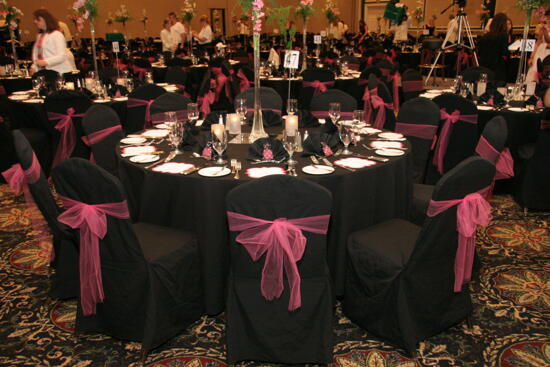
column 430, row 25
column 205, row 36
column 169, row 42
column 363, row 32
column 493, row 47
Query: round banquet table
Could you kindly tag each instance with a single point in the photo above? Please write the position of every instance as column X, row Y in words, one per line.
column 523, row 126
column 191, row 202
column 15, row 84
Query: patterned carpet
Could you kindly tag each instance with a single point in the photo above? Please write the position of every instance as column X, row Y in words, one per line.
column 511, row 320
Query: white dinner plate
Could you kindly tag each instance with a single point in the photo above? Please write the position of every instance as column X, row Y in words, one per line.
column 144, row 158
column 120, row 99
column 389, row 152
column 517, row 109
column 34, row 100
column 19, row 97
column 162, row 84
column 133, row 140
column 391, row 135
column 161, row 126
column 101, row 100
column 485, row 108
column 23, row 92
column 318, row 169
column 214, row 171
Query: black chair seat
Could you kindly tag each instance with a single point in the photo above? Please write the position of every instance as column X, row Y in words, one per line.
column 383, row 248
column 158, row 242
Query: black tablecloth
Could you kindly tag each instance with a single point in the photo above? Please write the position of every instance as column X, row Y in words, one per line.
column 16, row 84
column 196, row 203
column 523, row 127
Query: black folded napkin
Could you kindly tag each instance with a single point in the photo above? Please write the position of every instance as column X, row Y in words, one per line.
column 267, row 149
column 269, row 118
column 205, row 147
column 329, row 127
column 492, row 97
column 189, row 137
column 322, row 144
column 306, row 119
column 212, row 118
column 117, row 91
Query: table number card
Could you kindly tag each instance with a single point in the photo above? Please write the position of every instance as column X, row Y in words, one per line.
column 292, row 59
column 116, row 47
column 317, row 39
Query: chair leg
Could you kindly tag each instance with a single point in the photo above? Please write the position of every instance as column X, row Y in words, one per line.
column 469, row 322
column 143, row 356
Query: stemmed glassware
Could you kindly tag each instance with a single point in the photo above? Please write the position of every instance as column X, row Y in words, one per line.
column 36, row 86
column 176, row 136
column 290, row 143
column 346, row 136
column 291, row 106
column 241, row 109
column 149, row 77
column 219, row 143
column 130, row 84
column 192, row 111
column 170, row 118
column 334, row 112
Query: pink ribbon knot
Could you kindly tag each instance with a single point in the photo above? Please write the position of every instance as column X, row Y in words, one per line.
column 244, row 83
column 92, row 222
column 318, row 85
column 472, row 210
column 283, row 243
column 97, row 136
column 378, row 102
column 66, row 127
column 205, row 102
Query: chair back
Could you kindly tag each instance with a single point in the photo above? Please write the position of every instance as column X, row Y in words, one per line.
column 472, row 74
column 412, row 84
column 108, row 75
column 382, row 115
column 103, row 132
column 496, row 134
column 271, row 100
column 324, row 76
column 176, row 75
column 462, row 135
column 169, row 102
column 137, row 113
column 418, row 120
column 66, row 102
column 320, row 104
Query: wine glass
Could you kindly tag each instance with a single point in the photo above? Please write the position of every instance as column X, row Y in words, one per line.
column 334, row 112
column 346, row 136
column 130, row 84
column 241, row 109
column 290, row 144
column 192, row 111
column 170, row 118
column 219, row 143
column 149, row 77
column 176, row 136
column 291, row 106
column 36, row 86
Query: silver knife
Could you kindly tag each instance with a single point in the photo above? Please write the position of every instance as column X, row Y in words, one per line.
column 326, row 161
column 167, row 159
column 374, row 158
column 314, row 159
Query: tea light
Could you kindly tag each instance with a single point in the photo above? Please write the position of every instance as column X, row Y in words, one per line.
column 90, row 83
column 69, row 85
column 218, row 130
column 233, row 122
column 291, row 125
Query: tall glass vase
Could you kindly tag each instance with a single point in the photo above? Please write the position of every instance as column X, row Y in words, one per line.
column 257, row 122
column 522, row 69
column 94, row 56
column 13, row 49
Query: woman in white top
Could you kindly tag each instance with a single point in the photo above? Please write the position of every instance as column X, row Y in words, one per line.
column 206, row 35
column 50, row 49
column 169, row 42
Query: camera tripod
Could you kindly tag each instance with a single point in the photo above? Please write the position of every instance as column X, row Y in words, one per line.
column 464, row 40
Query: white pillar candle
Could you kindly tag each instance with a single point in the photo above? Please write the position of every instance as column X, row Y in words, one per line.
column 233, row 123
column 218, row 130
column 90, row 83
column 69, row 85
column 291, row 125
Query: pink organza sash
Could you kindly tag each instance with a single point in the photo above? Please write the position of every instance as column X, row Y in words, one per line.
column 502, row 160
column 319, row 86
column 545, row 124
column 244, row 83
column 426, row 132
column 205, row 101
column 98, row 136
column 66, row 128
column 380, row 119
column 137, row 102
column 472, row 210
column 19, row 180
column 324, row 114
column 283, row 243
column 159, row 118
column 140, row 71
column 443, row 141
column 92, row 222
column 412, row 85
column 221, row 83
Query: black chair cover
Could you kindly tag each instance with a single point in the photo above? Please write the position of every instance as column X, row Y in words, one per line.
column 532, row 192
column 411, row 76
column 135, row 116
column 400, row 280
column 176, row 75
column 271, row 100
column 100, row 117
column 59, row 102
column 108, row 76
column 496, row 133
column 49, row 75
column 64, row 281
column 419, row 111
column 7, row 149
column 311, row 75
column 266, row 330
column 150, row 273
column 384, row 93
column 321, row 102
column 464, row 135
column 170, row 102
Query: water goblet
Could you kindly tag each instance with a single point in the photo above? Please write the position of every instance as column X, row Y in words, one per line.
column 290, row 145
column 176, row 137
column 346, row 136
column 192, row 111
column 219, row 143
column 170, row 118
column 241, row 109
column 334, row 111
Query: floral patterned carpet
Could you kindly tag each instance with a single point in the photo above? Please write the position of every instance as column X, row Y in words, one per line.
column 511, row 323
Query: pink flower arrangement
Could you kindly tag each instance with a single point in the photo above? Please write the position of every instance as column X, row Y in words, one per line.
column 257, row 14
column 306, row 2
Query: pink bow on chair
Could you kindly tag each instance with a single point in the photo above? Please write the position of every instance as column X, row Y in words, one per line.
column 205, row 102
column 283, row 243
column 92, row 222
column 97, row 136
column 472, row 210
column 244, row 83
column 66, row 128
column 318, row 85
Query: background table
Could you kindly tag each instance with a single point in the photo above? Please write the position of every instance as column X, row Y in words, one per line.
column 197, row 204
